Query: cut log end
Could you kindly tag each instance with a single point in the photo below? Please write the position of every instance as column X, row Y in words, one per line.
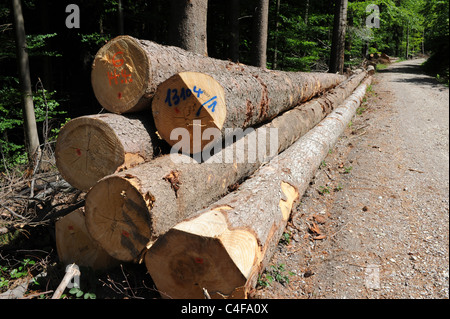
column 184, row 98
column 120, row 74
column 117, row 217
column 75, row 245
column 198, row 250
column 87, row 150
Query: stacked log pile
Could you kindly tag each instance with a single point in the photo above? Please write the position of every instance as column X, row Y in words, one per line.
column 144, row 203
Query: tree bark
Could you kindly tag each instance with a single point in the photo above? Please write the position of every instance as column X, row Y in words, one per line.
column 224, row 101
column 275, row 46
column 31, row 133
column 407, row 43
column 188, row 27
column 260, row 31
column 75, row 245
column 224, row 247
column 91, row 147
column 338, row 44
column 120, row 17
column 307, row 12
column 233, row 17
column 146, row 201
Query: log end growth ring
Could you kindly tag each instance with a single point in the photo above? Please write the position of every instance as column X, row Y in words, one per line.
column 120, row 75
column 184, row 98
column 74, row 245
column 87, row 150
column 117, row 217
column 202, row 254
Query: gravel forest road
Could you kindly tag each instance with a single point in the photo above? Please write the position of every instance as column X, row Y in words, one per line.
column 375, row 221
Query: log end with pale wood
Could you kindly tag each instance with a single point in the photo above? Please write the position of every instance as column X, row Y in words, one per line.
column 117, row 217
column 120, row 76
column 203, row 253
column 91, row 147
column 75, row 245
column 183, row 98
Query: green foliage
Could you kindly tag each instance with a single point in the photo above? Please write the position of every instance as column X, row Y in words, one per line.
column 11, row 120
column 324, row 190
column 11, row 273
column 276, row 273
column 301, row 45
column 285, row 238
column 78, row 293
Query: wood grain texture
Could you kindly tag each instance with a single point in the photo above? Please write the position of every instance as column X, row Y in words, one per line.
column 75, row 245
column 93, row 146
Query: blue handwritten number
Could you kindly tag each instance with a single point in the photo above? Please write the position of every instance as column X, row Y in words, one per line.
column 211, row 106
column 172, row 95
column 169, row 94
column 198, row 91
column 176, row 98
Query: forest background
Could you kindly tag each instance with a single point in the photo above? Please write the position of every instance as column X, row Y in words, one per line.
column 299, row 39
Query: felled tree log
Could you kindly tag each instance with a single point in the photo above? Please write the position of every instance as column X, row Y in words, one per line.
column 91, row 147
column 224, row 247
column 146, row 201
column 75, row 245
column 229, row 100
column 126, row 72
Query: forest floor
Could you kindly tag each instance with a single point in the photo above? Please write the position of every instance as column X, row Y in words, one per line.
column 380, row 201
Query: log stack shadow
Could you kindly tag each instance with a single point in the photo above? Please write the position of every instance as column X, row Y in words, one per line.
column 198, row 225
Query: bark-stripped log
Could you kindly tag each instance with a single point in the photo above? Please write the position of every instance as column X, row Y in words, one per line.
column 229, row 100
column 145, row 201
column 126, row 72
column 75, row 245
column 223, row 248
column 91, row 147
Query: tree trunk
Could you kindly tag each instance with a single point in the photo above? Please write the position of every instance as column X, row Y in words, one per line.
column 146, row 201
column 91, row 147
column 75, row 245
column 224, row 247
column 229, row 100
column 260, row 31
column 120, row 17
column 127, row 72
column 407, row 43
column 188, row 27
column 233, row 16
column 307, row 12
column 31, row 133
column 275, row 45
column 338, row 43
